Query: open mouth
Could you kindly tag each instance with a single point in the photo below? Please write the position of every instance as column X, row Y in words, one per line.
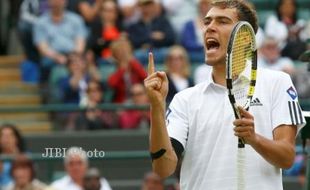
column 212, row 44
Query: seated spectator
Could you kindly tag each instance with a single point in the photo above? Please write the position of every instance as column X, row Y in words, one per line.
column 73, row 87
column 56, row 34
column 129, row 71
column 287, row 29
column 105, row 29
column 178, row 71
column 76, row 166
column 152, row 181
column 131, row 119
column 93, row 118
column 192, row 37
column 24, row 175
column 271, row 58
column 130, row 11
column 93, row 181
column 11, row 143
column 88, row 9
column 179, row 12
column 151, row 32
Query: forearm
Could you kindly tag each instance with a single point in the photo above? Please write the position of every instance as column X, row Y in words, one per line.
column 79, row 45
column 280, row 153
column 159, row 139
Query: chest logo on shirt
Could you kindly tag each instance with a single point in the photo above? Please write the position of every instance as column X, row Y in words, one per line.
column 256, row 102
column 292, row 93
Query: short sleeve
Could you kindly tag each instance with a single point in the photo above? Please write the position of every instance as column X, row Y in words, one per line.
column 177, row 120
column 39, row 33
column 285, row 108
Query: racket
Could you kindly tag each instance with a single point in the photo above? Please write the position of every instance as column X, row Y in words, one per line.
column 241, row 66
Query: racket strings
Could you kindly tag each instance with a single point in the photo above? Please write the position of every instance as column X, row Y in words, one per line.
column 241, row 68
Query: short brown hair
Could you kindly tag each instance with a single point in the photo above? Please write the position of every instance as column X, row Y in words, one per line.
column 245, row 10
column 22, row 161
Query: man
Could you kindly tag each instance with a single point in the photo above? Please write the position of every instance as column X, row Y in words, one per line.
column 201, row 123
column 152, row 30
column 76, row 165
column 58, row 33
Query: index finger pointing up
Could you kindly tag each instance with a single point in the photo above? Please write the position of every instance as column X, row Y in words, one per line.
column 151, row 66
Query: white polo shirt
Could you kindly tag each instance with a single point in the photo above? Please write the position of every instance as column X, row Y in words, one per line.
column 201, row 118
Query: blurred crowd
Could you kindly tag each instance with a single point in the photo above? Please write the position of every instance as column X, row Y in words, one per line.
column 20, row 173
column 88, row 52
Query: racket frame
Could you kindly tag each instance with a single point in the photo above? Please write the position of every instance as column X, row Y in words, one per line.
column 229, row 80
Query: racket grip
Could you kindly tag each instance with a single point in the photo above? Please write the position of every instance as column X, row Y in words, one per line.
column 240, row 143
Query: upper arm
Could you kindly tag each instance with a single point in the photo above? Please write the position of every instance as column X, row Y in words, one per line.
column 285, row 133
column 285, row 106
column 177, row 120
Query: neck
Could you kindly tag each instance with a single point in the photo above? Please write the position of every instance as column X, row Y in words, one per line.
column 57, row 15
column 219, row 74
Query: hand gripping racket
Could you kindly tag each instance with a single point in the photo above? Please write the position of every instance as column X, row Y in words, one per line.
column 241, row 66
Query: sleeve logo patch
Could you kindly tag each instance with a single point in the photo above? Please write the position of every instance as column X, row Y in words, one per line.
column 292, row 93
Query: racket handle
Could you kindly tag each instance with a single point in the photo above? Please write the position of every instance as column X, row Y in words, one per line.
column 240, row 143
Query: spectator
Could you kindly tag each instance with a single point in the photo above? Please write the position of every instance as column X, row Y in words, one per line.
column 175, row 10
column 73, row 87
column 88, row 9
column 152, row 181
column 93, row 118
column 131, row 119
column 151, row 32
column 271, row 58
column 24, row 175
column 287, row 29
column 105, row 29
column 11, row 143
column 30, row 10
column 192, row 37
column 93, row 181
column 57, row 33
column 130, row 11
column 178, row 71
column 129, row 71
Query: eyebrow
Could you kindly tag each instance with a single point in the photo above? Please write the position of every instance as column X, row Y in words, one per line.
column 207, row 18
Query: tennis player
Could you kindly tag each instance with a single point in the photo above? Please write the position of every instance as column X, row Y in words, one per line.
column 200, row 125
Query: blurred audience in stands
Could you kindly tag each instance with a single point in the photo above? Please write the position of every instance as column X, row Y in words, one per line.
column 93, row 181
column 287, row 29
column 152, row 32
column 56, row 34
column 179, row 12
column 133, row 119
column 73, row 86
column 178, row 71
column 76, row 166
column 11, row 144
column 24, row 175
column 87, row 9
column 152, row 181
column 129, row 11
column 192, row 33
column 129, row 70
column 94, row 118
column 106, row 28
column 270, row 57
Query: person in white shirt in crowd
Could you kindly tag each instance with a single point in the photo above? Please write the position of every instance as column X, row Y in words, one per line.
column 270, row 57
column 76, row 165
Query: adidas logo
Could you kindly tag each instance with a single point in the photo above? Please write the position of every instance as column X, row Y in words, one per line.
column 256, row 102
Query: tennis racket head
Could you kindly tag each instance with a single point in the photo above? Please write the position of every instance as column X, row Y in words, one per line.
column 241, row 66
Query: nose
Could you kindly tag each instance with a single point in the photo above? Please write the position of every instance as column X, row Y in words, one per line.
column 210, row 27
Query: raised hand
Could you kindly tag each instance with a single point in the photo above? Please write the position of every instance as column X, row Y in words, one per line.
column 156, row 84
